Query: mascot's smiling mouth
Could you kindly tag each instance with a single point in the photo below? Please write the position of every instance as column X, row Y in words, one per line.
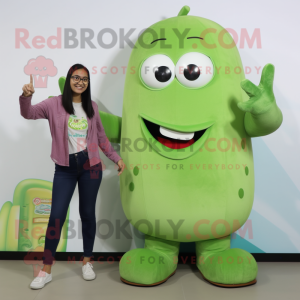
column 174, row 141
column 171, row 138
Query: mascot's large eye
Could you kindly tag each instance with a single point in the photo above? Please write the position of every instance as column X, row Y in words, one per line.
column 158, row 71
column 194, row 70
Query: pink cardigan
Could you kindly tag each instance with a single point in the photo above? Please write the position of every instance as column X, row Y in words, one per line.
column 52, row 109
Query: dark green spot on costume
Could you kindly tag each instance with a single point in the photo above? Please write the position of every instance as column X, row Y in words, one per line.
column 243, row 144
column 241, row 193
column 131, row 186
column 135, row 170
column 247, row 170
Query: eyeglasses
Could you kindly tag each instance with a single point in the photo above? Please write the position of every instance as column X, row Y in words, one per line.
column 76, row 79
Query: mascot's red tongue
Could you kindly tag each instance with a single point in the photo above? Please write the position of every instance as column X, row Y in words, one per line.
column 175, row 144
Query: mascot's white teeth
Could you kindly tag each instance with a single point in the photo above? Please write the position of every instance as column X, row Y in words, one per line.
column 176, row 135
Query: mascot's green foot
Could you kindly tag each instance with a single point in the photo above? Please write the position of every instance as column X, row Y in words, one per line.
column 223, row 266
column 151, row 265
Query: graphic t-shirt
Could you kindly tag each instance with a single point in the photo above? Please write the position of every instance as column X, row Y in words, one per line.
column 77, row 129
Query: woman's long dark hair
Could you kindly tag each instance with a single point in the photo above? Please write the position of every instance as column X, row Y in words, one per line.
column 67, row 96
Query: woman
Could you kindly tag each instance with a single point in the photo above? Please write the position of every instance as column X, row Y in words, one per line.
column 77, row 132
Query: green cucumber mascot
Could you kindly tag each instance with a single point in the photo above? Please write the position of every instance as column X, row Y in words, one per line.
column 192, row 180
column 185, row 133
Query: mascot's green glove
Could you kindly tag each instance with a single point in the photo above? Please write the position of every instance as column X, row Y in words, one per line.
column 263, row 116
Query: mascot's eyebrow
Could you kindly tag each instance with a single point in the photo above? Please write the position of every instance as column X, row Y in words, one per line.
column 195, row 37
column 157, row 40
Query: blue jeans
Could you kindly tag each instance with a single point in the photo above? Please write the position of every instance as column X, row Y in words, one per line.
column 64, row 183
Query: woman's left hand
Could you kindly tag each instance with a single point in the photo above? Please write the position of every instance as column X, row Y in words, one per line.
column 121, row 166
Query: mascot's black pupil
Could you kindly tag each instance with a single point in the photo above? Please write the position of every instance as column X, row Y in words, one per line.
column 191, row 72
column 162, row 74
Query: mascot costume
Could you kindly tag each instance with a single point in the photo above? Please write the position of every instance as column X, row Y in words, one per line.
column 185, row 133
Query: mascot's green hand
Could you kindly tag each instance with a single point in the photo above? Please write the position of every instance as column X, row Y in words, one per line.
column 261, row 96
column 61, row 83
column 262, row 115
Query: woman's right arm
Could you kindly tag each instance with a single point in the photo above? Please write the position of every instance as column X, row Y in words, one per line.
column 32, row 112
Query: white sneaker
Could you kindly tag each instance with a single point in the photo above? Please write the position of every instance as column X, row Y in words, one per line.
column 40, row 281
column 87, row 271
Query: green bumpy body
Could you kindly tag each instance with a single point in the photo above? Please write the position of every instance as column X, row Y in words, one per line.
column 203, row 192
column 208, row 190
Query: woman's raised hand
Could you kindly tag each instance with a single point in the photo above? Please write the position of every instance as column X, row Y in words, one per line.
column 28, row 89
